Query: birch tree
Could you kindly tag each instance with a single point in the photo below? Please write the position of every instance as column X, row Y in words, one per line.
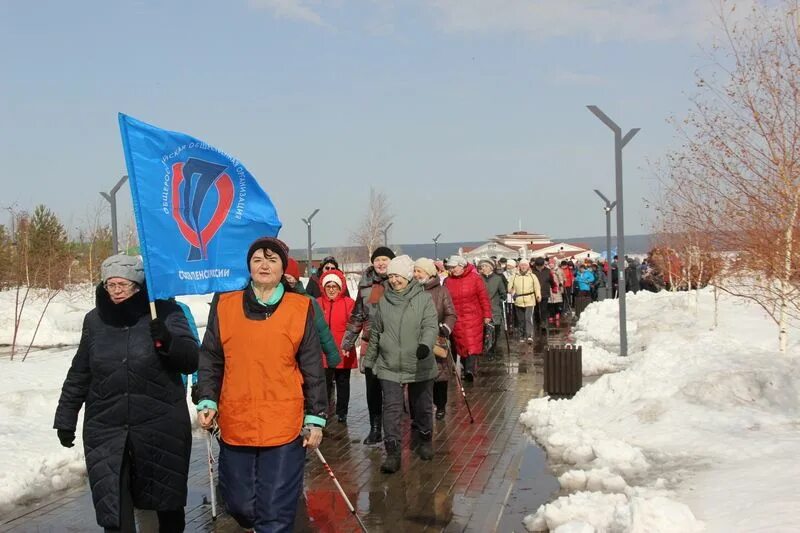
column 737, row 175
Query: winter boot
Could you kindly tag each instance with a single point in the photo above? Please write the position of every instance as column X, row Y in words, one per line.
column 425, row 448
column 374, row 436
column 392, row 462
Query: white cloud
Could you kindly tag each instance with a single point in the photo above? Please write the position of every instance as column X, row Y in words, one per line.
column 290, row 9
column 600, row 20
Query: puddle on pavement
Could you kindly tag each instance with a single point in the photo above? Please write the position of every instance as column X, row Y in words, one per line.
column 535, row 485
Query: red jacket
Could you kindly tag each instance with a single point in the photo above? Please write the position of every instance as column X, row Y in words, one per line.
column 471, row 301
column 569, row 278
column 336, row 313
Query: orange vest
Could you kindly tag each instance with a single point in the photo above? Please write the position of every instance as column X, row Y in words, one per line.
column 261, row 402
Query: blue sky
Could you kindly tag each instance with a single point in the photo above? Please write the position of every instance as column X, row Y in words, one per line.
column 468, row 114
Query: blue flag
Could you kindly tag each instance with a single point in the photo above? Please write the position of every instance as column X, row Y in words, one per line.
column 197, row 211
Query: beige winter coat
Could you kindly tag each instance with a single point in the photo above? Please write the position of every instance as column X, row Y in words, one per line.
column 525, row 289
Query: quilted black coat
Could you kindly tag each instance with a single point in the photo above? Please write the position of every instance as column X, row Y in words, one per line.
column 133, row 395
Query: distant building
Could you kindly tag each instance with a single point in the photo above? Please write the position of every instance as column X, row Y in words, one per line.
column 522, row 244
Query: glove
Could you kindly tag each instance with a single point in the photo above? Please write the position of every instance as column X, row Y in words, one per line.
column 362, row 365
column 347, row 343
column 66, row 437
column 160, row 334
column 444, row 331
column 423, row 351
column 195, row 395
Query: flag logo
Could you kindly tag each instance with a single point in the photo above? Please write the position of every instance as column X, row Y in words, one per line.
column 202, row 197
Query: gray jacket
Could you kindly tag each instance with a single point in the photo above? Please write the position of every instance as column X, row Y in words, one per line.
column 496, row 287
column 403, row 321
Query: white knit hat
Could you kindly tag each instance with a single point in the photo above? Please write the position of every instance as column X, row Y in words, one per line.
column 456, row 260
column 426, row 265
column 511, row 263
column 331, row 278
column 402, row 265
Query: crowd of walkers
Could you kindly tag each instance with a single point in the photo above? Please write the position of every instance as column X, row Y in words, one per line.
column 275, row 366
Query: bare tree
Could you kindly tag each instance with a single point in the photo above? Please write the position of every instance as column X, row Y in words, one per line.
column 369, row 234
column 737, row 175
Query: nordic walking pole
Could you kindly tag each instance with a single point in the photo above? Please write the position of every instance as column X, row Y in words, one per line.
column 341, row 490
column 211, row 476
column 461, row 388
column 505, row 329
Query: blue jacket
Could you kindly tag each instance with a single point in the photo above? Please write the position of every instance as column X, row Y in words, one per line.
column 193, row 327
column 584, row 280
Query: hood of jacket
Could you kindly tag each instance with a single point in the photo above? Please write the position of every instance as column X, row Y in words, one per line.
column 370, row 278
column 432, row 283
column 342, row 293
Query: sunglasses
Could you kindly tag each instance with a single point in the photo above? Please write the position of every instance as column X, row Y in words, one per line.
column 328, row 267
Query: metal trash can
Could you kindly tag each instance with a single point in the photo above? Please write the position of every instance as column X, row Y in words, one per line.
column 563, row 370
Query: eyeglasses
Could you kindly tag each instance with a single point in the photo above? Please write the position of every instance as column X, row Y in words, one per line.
column 122, row 286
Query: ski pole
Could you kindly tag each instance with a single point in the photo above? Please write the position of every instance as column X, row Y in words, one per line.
column 505, row 330
column 211, row 476
column 341, row 490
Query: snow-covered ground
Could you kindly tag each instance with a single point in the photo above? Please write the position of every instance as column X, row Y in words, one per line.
column 697, row 430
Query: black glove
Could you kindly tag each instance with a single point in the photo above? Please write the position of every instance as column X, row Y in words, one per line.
column 423, row 351
column 444, row 331
column 66, row 437
column 160, row 334
column 195, row 395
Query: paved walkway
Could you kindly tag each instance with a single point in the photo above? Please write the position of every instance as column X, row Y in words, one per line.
column 484, row 477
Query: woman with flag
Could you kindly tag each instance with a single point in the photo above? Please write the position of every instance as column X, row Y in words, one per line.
column 127, row 370
column 261, row 379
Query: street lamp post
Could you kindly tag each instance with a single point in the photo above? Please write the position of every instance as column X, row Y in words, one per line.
column 619, row 143
column 386, row 233
column 608, row 208
column 111, row 196
column 436, row 246
column 308, row 225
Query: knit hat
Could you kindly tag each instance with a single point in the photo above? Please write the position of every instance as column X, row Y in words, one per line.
column 426, row 265
column 486, row 262
column 382, row 251
column 330, row 260
column 402, row 265
column 292, row 269
column 331, row 278
column 123, row 266
column 273, row 244
column 511, row 263
column 539, row 261
column 456, row 260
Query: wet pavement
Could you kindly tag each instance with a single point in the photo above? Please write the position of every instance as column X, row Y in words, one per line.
column 484, row 477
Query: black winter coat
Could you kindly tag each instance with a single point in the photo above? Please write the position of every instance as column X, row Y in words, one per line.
column 134, row 395
column 545, row 281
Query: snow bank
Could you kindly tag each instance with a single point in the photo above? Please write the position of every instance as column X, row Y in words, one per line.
column 34, row 463
column 61, row 323
column 697, row 429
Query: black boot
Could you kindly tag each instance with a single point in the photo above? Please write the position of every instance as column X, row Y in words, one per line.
column 425, row 449
column 392, row 462
column 374, row 436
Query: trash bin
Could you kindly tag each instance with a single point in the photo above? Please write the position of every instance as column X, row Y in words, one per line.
column 563, row 370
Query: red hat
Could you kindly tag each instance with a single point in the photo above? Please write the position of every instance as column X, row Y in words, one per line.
column 292, row 269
